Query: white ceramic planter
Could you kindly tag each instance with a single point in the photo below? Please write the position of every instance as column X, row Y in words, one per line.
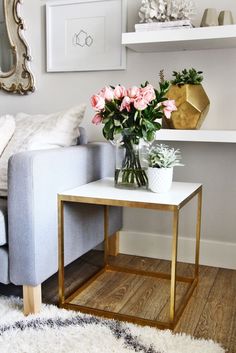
column 160, row 179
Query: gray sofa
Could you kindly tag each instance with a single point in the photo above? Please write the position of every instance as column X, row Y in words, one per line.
column 28, row 219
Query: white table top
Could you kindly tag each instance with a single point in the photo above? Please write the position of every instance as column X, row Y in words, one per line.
column 103, row 192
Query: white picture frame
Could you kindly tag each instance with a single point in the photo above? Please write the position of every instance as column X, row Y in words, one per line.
column 85, row 35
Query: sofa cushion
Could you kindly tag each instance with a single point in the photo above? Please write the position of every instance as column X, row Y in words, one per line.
column 7, row 128
column 3, row 221
column 36, row 132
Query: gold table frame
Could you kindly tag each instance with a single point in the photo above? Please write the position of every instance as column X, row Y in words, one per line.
column 174, row 314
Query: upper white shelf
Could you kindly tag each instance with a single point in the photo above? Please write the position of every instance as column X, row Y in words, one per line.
column 223, row 136
column 216, row 37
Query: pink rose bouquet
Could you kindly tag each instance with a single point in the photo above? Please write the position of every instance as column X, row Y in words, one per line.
column 135, row 110
column 133, row 113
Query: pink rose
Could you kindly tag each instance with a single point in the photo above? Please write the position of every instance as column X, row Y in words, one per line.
column 169, row 107
column 133, row 92
column 148, row 93
column 125, row 104
column 107, row 93
column 119, row 92
column 140, row 103
column 97, row 102
column 97, row 119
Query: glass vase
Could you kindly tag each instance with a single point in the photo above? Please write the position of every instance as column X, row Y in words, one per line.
column 129, row 172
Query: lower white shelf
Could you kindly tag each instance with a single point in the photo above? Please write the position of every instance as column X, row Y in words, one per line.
column 223, row 136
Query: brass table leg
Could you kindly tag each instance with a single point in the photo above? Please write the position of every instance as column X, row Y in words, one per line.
column 174, row 264
column 106, row 234
column 175, row 315
column 198, row 232
column 61, row 275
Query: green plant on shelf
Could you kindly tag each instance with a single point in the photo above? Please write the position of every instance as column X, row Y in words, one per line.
column 191, row 76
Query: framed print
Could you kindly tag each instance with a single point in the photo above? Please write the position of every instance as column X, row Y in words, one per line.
column 85, row 35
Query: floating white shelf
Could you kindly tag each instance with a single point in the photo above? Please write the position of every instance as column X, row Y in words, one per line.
column 223, row 136
column 216, row 37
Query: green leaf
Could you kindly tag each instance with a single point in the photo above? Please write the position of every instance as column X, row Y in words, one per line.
column 148, row 124
column 117, row 123
column 144, row 134
column 111, row 115
column 150, row 135
column 108, row 126
column 118, row 130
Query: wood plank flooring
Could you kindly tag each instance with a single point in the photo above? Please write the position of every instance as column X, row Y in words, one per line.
column 210, row 313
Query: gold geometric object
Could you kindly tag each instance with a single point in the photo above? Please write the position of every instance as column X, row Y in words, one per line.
column 192, row 105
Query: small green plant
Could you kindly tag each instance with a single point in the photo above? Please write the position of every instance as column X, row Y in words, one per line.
column 163, row 156
column 185, row 76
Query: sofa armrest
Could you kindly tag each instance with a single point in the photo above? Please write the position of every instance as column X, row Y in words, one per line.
column 35, row 178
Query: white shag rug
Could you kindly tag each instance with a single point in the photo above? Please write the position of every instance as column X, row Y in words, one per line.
column 60, row 331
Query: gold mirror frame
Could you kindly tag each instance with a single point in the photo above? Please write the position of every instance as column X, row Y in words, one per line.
column 19, row 79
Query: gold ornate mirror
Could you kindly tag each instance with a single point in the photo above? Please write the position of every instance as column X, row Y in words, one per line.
column 15, row 75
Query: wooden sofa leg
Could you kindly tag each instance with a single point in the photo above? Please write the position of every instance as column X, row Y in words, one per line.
column 32, row 299
column 114, row 241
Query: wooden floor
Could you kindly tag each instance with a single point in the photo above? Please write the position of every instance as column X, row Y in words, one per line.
column 210, row 313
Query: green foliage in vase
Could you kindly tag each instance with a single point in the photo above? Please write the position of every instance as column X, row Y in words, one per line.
column 162, row 156
column 185, row 76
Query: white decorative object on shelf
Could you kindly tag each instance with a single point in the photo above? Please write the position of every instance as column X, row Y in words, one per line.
column 209, row 18
column 166, row 10
column 154, row 26
column 225, row 18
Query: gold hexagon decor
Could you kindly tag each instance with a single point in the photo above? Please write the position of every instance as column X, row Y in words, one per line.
column 192, row 105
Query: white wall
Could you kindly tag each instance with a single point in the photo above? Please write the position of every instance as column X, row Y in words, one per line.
column 212, row 164
column 57, row 91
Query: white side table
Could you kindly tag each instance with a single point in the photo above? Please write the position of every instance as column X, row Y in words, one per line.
column 103, row 192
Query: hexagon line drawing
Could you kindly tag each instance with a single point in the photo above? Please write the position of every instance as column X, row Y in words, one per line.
column 89, row 41
column 82, row 39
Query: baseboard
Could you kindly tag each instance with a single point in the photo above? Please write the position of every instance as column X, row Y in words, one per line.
column 212, row 253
